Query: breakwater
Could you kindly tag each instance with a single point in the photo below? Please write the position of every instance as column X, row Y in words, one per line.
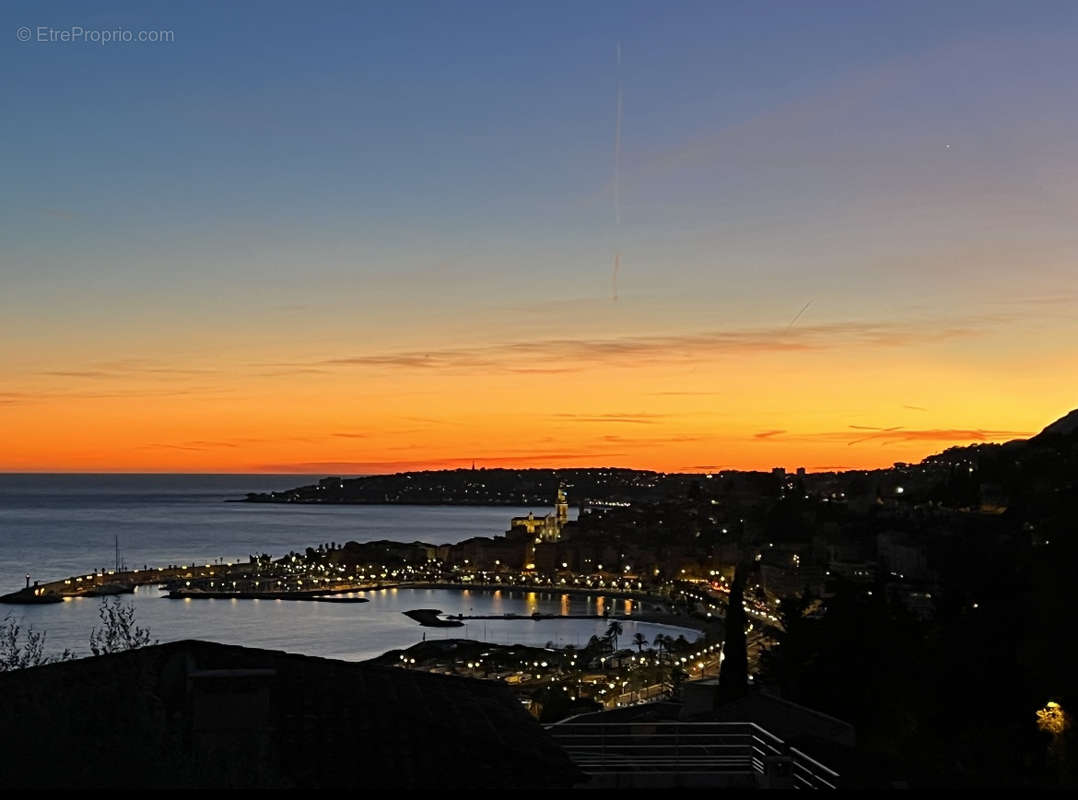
column 209, row 581
column 317, row 595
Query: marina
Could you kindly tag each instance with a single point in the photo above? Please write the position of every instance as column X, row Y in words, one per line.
column 58, row 525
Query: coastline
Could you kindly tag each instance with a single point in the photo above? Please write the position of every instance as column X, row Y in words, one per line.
column 706, row 626
column 57, row 591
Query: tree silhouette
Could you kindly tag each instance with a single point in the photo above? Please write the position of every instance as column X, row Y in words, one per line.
column 24, row 648
column 734, row 672
column 613, row 632
column 640, row 640
column 661, row 642
column 118, row 631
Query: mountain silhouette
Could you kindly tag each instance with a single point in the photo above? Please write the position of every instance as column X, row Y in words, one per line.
column 1037, row 476
column 1064, row 426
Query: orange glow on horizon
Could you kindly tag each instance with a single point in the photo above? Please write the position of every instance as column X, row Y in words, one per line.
column 823, row 411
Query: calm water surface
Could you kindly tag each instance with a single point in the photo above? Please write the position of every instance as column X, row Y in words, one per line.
column 53, row 526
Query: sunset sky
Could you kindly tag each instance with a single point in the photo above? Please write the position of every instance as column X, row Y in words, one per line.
column 352, row 238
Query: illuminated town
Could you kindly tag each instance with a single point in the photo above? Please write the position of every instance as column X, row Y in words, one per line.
column 777, row 555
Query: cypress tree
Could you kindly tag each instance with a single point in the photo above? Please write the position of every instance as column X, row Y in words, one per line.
column 734, row 672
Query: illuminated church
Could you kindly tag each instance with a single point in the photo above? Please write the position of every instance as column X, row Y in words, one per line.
column 541, row 529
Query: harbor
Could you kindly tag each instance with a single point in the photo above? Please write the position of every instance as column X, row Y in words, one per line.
column 217, row 581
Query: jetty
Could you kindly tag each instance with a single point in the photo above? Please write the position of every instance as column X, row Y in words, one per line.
column 31, row 596
column 431, row 618
column 238, row 580
column 317, row 595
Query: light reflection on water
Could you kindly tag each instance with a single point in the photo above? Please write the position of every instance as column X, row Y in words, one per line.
column 352, row 631
column 54, row 526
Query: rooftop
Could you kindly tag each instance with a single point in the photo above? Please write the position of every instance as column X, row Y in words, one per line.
column 196, row 713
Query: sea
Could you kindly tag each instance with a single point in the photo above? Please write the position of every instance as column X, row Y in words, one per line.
column 57, row 526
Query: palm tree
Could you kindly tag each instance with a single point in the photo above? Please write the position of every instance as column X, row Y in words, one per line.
column 660, row 641
column 613, row 632
column 640, row 640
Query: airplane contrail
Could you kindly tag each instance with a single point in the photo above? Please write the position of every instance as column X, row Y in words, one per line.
column 804, row 308
column 617, row 148
column 617, row 268
column 617, row 180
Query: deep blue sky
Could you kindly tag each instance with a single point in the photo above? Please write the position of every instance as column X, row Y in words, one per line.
column 444, row 113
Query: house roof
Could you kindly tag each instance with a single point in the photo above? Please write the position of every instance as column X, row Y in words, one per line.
column 199, row 713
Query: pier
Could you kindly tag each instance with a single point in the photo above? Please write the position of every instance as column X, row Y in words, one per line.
column 190, row 581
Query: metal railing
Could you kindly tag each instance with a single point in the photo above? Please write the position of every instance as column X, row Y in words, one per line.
column 808, row 773
column 687, row 748
column 666, row 746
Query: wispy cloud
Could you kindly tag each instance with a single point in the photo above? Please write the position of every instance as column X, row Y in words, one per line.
column 540, row 370
column 767, row 434
column 564, row 355
column 49, row 395
column 898, row 434
column 945, row 435
column 649, row 440
column 430, row 420
column 162, row 446
column 286, row 372
column 115, row 370
column 89, row 373
column 632, row 419
column 217, row 444
column 197, row 444
column 1065, row 299
column 381, row 467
